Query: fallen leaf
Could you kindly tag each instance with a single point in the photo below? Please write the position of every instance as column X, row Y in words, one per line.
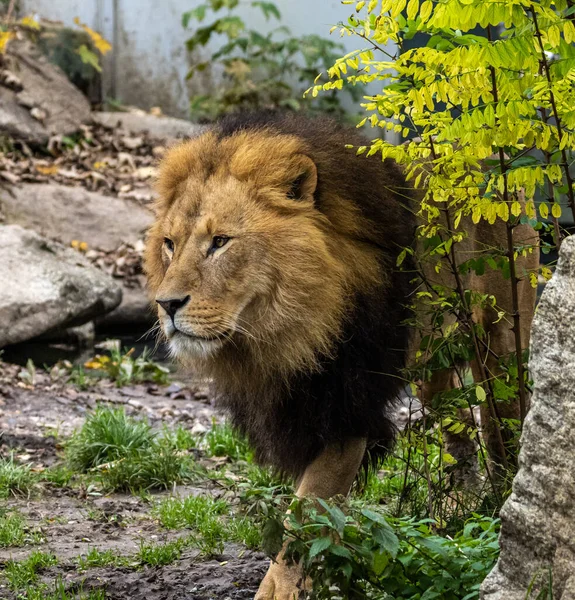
column 48, row 170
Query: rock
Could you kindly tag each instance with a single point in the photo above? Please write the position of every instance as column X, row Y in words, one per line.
column 46, row 286
column 538, row 527
column 134, row 311
column 17, row 122
column 162, row 128
column 82, row 336
column 74, row 213
column 44, row 102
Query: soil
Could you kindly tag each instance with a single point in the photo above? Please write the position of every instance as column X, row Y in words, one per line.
column 32, row 420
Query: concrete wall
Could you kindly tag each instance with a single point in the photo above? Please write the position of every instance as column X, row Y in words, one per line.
column 149, row 62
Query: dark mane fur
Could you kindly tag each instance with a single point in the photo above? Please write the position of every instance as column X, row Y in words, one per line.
column 353, row 394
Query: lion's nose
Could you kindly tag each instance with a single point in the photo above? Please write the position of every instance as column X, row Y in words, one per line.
column 172, row 305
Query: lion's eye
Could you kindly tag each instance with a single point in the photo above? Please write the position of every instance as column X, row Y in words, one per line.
column 169, row 245
column 218, row 241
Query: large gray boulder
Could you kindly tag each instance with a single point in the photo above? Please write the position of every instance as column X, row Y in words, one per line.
column 161, row 128
column 36, row 99
column 74, row 213
column 45, row 286
column 538, row 522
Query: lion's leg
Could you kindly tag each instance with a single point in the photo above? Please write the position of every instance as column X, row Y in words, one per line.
column 461, row 446
column 330, row 474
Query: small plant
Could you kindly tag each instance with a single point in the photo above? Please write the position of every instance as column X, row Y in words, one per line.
column 195, row 512
column 102, row 558
column 23, row 573
column 259, row 70
column 124, row 369
column 58, row 475
column 16, row 479
column 158, row 467
column 222, row 440
column 246, row 531
column 59, row 591
column 160, row 554
column 179, row 438
column 14, row 531
column 80, row 378
column 28, row 374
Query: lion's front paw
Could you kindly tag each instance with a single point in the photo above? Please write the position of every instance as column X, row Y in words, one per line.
column 281, row 583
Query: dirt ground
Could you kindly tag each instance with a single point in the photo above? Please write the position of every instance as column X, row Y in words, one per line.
column 32, row 420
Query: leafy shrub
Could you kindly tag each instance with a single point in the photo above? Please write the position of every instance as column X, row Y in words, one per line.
column 259, row 71
column 366, row 555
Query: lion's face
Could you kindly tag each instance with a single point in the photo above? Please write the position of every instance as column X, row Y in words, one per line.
column 239, row 259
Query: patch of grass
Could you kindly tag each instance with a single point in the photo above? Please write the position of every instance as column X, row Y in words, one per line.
column 59, row 591
column 14, row 532
column 59, row 476
column 156, row 554
column 16, row 479
column 245, row 531
column 125, row 454
column 102, row 558
column 210, row 521
column 195, row 512
column 201, row 514
column 107, row 435
column 180, row 438
column 156, row 468
column 25, row 572
column 222, row 440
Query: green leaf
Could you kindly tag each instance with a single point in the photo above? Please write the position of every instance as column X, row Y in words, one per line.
column 198, row 13
column 318, row 546
column 340, row 551
column 88, row 57
column 272, row 536
column 268, row 9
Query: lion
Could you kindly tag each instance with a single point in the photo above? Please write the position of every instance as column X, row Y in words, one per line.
column 272, row 263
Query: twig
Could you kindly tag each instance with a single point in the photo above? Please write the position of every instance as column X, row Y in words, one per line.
column 564, row 163
column 10, row 10
column 512, row 270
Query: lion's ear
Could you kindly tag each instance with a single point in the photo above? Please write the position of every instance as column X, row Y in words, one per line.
column 302, row 178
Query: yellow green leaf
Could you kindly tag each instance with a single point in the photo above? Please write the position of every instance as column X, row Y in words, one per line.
column 101, row 44
column 425, row 11
column 544, row 210
column 515, row 208
column 556, row 210
column 5, row 37
column 412, row 9
column 480, row 393
column 30, row 22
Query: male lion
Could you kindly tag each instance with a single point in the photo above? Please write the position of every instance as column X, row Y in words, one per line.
column 272, row 262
